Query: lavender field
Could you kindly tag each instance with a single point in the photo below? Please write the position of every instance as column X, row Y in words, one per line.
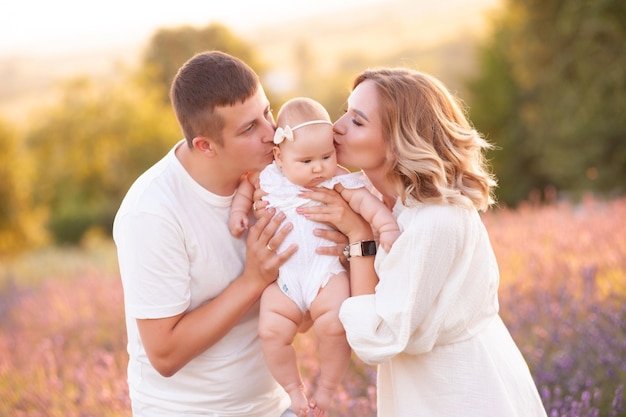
column 562, row 294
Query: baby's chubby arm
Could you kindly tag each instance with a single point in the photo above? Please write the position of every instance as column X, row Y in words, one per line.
column 240, row 207
column 374, row 211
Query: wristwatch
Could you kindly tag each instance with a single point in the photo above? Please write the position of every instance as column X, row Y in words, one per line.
column 362, row 248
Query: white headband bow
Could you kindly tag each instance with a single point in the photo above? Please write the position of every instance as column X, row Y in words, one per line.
column 287, row 132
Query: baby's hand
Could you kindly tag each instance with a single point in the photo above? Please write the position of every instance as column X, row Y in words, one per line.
column 237, row 223
column 387, row 238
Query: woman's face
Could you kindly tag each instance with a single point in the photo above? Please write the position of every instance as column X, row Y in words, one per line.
column 358, row 133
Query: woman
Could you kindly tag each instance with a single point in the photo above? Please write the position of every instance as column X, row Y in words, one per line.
column 308, row 284
column 426, row 311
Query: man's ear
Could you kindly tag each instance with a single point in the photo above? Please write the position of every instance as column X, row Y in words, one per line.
column 205, row 145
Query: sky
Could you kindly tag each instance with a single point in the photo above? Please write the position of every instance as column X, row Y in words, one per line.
column 48, row 27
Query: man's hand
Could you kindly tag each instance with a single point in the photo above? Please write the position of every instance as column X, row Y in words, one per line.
column 262, row 260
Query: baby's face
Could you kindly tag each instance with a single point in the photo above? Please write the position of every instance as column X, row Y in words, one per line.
column 310, row 159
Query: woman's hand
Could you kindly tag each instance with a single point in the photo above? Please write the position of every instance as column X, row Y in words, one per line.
column 336, row 212
column 333, row 235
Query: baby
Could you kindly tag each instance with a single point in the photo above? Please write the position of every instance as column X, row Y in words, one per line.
column 304, row 156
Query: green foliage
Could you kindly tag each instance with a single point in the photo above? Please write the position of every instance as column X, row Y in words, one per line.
column 21, row 223
column 89, row 149
column 90, row 146
column 494, row 112
column 169, row 49
column 552, row 94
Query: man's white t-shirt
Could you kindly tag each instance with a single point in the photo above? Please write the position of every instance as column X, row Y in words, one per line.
column 175, row 253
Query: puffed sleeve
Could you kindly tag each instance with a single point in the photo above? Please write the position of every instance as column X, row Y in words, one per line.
column 352, row 180
column 425, row 295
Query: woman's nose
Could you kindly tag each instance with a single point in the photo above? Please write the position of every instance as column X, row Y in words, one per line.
column 338, row 126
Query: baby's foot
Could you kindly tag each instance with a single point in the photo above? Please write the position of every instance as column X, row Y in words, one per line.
column 299, row 402
column 320, row 404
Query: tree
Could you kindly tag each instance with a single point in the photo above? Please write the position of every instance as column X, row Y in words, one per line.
column 494, row 105
column 91, row 146
column 21, row 223
column 551, row 95
column 99, row 137
column 169, row 49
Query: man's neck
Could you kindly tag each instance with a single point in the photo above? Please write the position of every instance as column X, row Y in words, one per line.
column 206, row 171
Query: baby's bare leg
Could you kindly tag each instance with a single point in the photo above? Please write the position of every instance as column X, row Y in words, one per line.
column 278, row 324
column 334, row 350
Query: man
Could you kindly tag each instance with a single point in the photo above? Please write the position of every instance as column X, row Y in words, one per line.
column 191, row 290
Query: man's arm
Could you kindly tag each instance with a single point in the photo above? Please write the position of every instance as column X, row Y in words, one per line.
column 172, row 342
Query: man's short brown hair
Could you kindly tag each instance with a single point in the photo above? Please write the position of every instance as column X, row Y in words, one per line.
column 208, row 80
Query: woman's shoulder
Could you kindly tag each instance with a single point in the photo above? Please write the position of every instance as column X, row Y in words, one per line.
column 415, row 208
column 439, row 217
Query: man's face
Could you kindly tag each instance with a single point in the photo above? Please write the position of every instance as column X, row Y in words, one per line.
column 247, row 134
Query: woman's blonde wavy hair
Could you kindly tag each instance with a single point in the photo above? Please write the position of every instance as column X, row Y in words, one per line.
column 435, row 154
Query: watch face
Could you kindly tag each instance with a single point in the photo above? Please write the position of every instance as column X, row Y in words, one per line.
column 368, row 248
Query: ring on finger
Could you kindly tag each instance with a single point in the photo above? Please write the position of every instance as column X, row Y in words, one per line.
column 269, row 248
column 254, row 206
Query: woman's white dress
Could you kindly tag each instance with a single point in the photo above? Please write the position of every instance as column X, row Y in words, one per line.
column 433, row 325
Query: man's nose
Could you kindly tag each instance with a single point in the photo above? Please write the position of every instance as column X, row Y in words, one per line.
column 268, row 135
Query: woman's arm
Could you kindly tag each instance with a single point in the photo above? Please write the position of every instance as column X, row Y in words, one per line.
column 337, row 213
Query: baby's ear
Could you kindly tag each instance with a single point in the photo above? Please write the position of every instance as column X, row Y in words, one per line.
column 278, row 156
